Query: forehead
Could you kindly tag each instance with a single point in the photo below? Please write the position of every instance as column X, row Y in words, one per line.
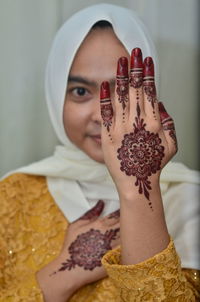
column 98, row 54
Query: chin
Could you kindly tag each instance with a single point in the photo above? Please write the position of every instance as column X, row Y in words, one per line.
column 97, row 156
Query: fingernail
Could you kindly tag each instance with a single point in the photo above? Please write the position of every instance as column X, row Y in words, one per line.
column 122, row 67
column 148, row 67
column 136, row 58
column 105, row 90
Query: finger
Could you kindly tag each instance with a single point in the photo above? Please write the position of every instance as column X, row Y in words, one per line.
column 168, row 125
column 149, row 88
column 122, row 90
column 112, row 218
column 106, row 108
column 136, row 81
column 93, row 213
column 114, row 215
column 113, row 235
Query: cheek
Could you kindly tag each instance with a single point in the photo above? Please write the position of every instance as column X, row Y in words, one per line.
column 74, row 119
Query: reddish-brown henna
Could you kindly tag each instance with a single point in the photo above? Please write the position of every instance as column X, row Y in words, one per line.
column 149, row 83
column 141, row 154
column 88, row 249
column 115, row 214
column 167, row 123
column 122, row 81
column 136, row 72
column 106, row 105
column 94, row 212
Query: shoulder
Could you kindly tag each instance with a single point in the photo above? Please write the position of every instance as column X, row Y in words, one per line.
column 19, row 189
column 19, row 183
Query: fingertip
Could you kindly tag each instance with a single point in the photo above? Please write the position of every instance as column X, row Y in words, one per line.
column 148, row 67
column 104, row 90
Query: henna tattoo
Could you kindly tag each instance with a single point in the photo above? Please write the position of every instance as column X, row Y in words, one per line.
column 172, row 133
column 141, row 154
column 167, row 123
column 136, row 77
column 149, row 83
column 88, row 249
column 106, row 113
column 122, row 81
column 106, row 106
column 94, row 212
column 136, row 72
column 115, row 214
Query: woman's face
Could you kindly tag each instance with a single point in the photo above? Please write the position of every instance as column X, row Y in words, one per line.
column 95, row 62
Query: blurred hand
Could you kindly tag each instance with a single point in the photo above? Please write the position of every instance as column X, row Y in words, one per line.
column 79, row 263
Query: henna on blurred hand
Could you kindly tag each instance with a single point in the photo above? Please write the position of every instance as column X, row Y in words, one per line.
column 106, row 105
column 115, row 214
column 141, row 154
column 122, row 81
column 88, row 249
column 149, row 82
column 94, row 212
column 167, row 123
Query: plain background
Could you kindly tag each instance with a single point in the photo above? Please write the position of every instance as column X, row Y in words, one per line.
column 27, row 28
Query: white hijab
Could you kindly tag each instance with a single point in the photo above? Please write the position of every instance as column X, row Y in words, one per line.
column 76, row 181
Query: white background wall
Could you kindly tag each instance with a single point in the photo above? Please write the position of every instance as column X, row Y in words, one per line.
column 27, row 28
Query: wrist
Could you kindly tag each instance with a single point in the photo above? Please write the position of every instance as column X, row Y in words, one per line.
column 129, row 191
column 57, row 286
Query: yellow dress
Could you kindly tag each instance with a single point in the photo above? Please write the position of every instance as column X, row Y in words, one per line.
column 32, row 230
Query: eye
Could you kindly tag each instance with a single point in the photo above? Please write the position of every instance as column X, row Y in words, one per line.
column 80, row 91
column 78, row 94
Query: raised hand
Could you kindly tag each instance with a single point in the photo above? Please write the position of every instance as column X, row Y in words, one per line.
column 138, row 135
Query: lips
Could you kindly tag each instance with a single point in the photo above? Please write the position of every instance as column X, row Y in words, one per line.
column 96, row 138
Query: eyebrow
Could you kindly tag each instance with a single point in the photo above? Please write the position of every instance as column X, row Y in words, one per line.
column 86, row 81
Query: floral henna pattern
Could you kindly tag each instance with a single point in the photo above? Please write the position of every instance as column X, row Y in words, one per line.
column 136, row 72
column 136, row 77
column 141, row 154
column 106, row 113
column 122, row 90
column 148, row 82
column 88, row 249
column 150, row 90
column 106, row 105
column 122, row 81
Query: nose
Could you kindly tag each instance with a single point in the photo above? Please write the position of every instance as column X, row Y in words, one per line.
column 96, row 113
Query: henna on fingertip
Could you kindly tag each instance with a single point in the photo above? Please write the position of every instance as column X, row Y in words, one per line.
column 94, row 212
column 106, row 105
column 122, row 81
column 149, row 82
column 136, row 70
column 115, row 214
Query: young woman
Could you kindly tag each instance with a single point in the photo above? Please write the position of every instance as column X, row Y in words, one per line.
column 71, row 230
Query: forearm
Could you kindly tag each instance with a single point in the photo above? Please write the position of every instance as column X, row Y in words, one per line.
column 143, row 229
column 56, row 286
